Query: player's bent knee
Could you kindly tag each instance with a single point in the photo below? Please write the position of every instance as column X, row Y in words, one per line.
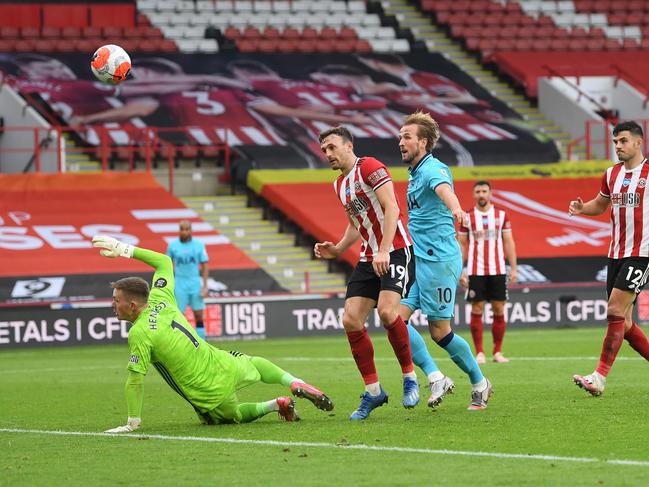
column 351, row 324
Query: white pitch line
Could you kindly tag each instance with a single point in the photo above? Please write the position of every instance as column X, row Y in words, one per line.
column 334, row 446
column 311, row 359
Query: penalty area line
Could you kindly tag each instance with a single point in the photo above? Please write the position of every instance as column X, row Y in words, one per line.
column 334, row 446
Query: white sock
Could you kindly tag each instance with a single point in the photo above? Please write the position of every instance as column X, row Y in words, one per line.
column 271, row 405
column 410, row 375
column 600, row 377
column 480, row 386
column 374, row 389
column 435, row 376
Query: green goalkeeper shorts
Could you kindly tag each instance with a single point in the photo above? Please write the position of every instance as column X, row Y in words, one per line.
column 226, row 412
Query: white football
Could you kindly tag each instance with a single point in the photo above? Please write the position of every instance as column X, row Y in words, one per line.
column 110, row 64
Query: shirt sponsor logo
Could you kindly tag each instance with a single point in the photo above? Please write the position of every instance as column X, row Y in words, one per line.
column 161, row 282
column 444, row 173
column 357, row 206
column 625, row 199
column 42, row 287
column 626, row 182
column 377, row 176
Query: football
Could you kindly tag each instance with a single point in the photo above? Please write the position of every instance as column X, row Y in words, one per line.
column 110, row 64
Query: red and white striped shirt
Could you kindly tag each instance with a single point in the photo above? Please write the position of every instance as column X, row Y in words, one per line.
column 356, row 192
column 486, row 254
column 629, row 210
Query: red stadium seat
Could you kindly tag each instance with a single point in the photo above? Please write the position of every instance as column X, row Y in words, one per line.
column 232, row 33
column 9, row 33
column 309, row 33
column 545, row 20
column 290, row 33
column 91, row 32
column 348, row 33
column 86, row 45
column 134, row 33
column 112, row 32
column 23, row 45
column 596, row 33
column 362, row 45
column 343, row 47
column 541, row 45
column 459, row 31
column 271, row 33
column 129, row 44
column 579, row 33
column 142, row 20
column 6, row 45
column 616, row 19
column 630, row 45
column 251, row 33
column 167, row 45
column 287, row 45
column 268, row 45
column 577, row 44
column 20, row 15
column 64, row 45
column 595, row 44
column 112, row 14
column 612, row 45
column 65, row 15
column 328, row 33
column 152, row 32
column 247, row 45
column 148, row 45
column 472, row 43
column 71, row 32
column 30, row 33
column 523, row 45
column 512, row 7
column 50, row 32
column 307, row 45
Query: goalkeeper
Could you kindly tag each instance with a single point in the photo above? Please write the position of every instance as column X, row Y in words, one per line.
column 206, row 377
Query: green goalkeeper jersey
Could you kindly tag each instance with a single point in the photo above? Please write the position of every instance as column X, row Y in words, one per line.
column 202, row 374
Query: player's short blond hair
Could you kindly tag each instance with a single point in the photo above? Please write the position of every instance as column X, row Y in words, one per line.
column 427, row 128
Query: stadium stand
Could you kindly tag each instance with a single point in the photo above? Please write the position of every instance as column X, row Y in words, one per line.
column 73, row 27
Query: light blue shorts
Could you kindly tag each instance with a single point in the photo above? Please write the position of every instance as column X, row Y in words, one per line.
column 433, row 291
column 193, row 299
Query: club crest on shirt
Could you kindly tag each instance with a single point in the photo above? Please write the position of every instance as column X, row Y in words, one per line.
column 161, row 282
column 642, row 182
column 357, row 187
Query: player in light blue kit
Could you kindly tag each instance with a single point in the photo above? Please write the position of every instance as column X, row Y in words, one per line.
column 433, row 210
column 190, row 266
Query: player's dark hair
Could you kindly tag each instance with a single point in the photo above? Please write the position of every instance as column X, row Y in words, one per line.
column 339, row 130
column 250, row 66
column 631, row 126
column 157, row 64
column 427, row 127
column 387, row 58
column 482, row 182
column 133, row 287
column 341, row 69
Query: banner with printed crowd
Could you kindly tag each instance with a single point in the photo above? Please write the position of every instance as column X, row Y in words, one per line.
column 271, row 107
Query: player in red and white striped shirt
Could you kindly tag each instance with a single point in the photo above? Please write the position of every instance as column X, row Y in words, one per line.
column 386, row 268
column 624, row 188
column 486, row 239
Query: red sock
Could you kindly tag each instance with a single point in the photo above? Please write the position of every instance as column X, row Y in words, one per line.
column 638, row 340
column 398, row 336
column 498, row 332
column 612, row 344
column 363, row 353
column 476, row 331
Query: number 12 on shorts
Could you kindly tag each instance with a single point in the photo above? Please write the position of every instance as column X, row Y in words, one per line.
column 638, row 279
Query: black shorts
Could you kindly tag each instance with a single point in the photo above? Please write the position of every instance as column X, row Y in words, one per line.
column 487, row 288
column 628, row 274
column 400, row 276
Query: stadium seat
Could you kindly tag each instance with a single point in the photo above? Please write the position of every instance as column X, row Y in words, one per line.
column 29, row 33
column 65, row 15
column 9, row 32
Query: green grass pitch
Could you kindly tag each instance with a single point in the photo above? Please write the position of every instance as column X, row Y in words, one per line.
column 539, row 429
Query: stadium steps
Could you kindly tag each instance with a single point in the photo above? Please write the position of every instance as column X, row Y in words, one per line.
column 262, row 241
column 78, row 161
column 438, row 40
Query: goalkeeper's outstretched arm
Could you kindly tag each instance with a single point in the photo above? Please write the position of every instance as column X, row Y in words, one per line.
column 162, row 264
column 134, row 391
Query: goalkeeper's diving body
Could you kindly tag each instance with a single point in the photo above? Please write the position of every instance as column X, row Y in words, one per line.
column 205, row 376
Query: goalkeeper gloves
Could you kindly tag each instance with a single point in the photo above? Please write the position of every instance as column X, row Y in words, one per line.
column 131, row 425
column 112, row 247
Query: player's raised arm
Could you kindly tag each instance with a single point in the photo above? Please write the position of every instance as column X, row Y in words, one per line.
column 594, row 207
column 446, row 194
column 163, row 278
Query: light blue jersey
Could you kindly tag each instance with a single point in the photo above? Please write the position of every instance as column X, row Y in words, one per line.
column 430, row 223
column 187, row 258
